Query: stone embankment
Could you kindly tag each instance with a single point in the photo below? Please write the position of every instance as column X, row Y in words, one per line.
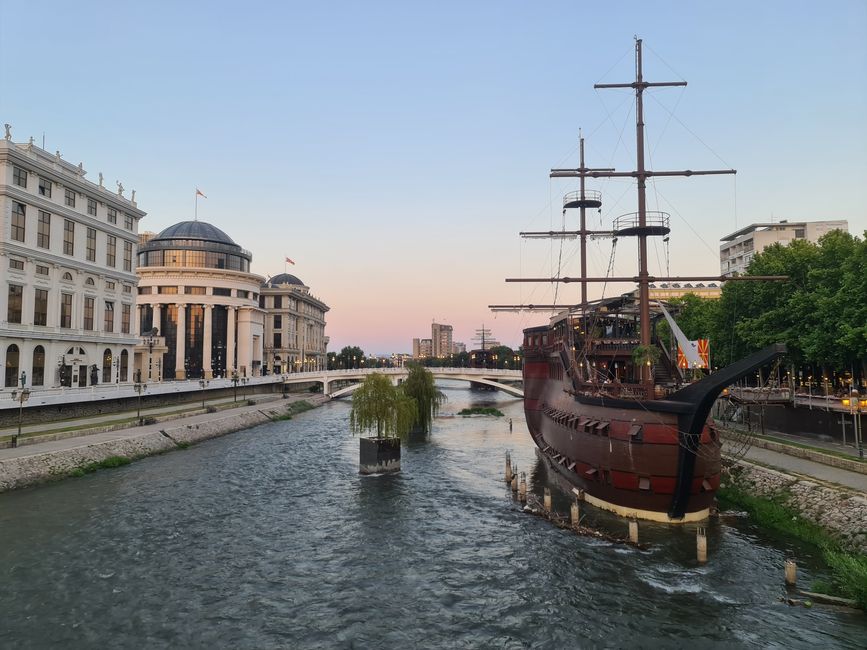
column 40, row 467
column 841, row 512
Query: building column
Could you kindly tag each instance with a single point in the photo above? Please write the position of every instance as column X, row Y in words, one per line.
column 245, row 343
column 230, row 341
column 181, row 346
column 206, row 343
column 158, row 318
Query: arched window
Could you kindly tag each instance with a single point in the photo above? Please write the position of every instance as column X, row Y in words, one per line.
column 124, row 365
column 106, row 367
column 67, row 277
column 89, row 282
column 38, row 366
column 11, row 366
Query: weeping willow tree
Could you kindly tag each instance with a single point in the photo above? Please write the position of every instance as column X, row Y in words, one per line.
column 420, row 386
column 379, row 406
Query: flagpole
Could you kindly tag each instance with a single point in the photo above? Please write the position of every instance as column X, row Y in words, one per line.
column 197, row 206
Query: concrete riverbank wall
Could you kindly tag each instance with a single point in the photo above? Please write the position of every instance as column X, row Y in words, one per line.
column 41, row 467
column 841, row 512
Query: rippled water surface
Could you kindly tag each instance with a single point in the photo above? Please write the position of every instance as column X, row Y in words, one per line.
column 269, row 538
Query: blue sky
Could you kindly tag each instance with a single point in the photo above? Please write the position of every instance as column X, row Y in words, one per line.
column 395, row 149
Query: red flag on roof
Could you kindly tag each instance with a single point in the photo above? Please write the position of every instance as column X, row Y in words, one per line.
column 290, row 261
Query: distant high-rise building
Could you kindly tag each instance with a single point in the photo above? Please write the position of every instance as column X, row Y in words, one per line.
column 421, row 348
column 441, row 340
column 739, row 248
column 458, row 347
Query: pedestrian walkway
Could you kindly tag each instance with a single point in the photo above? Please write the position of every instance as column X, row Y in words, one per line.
column 134, row 431
column 807, row 468
column 96, row 421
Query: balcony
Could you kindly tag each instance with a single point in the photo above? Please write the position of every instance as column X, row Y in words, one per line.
column 590, row 199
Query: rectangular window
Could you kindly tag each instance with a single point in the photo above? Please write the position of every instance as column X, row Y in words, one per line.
column 68, row 237
column 18, row 265
column 220, row 291
column 278, row 322
column 43, row 230
column 195, row 291
column 91, row 244
column 145, row 291
column 44, row 187
column 127, row 256
column 127, row 222
column 66, row 310
column 167, row 290
column 108, row 324
column 124, row 318
column 19, row 177
column 111, row 250
column 41, row 270
column 278, row 340
column 13, row 309
column 88, row 313
column 70, row 198
column 262, row 302
column 40, row 307
column 127, row 288
column 112, row 215
column 799, row 233
column 243, row 294
column 278, row 302
column 91, row 207
column 19, row 220
column 109, row 285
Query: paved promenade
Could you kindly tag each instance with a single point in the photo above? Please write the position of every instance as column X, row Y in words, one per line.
column 807, row 468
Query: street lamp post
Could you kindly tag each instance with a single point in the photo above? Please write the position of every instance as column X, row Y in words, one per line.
column 21, row 396
column 139, row 387
column 854, row 404
column 244, row 381
column 235, row 384
column 204, row 384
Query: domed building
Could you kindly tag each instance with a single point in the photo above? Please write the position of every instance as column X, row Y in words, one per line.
column 294, row 326
column 196, row 289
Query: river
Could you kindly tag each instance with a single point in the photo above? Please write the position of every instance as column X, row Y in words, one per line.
column 269, row 538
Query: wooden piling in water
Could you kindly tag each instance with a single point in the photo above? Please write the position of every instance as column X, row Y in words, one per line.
column 791, row 573
column 508, row 468
column 633, row 531
column 701, row 544
column 522, row 489
column 515, row 479
column 575, row 513
column 547, row 501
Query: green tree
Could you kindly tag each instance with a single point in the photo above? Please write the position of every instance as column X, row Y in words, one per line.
column 379, row 406
column 420, row 386
column 350, row 357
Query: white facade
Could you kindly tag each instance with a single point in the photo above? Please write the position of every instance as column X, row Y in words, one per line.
column 739, row 248
column 196, row 290
column 67, row 273
column 295, row 338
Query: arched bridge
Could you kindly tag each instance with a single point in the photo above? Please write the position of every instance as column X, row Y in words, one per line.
column 494, row 378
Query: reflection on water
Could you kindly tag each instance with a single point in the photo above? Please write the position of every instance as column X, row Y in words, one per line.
column 269, row 538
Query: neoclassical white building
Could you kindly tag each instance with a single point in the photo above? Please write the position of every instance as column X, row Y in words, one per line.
column 294, row 326
column 67, row 277
column 195, row 288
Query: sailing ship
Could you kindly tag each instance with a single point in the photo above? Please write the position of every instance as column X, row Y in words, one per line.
column 606, row 404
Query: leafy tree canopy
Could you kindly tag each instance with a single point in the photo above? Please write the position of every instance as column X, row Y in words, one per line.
column 381, row 407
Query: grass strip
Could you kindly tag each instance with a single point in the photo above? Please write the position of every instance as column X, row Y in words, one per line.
column 105, row 463
column 482, row 410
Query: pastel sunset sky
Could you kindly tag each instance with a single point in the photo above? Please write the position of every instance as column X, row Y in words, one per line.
column 394, row 150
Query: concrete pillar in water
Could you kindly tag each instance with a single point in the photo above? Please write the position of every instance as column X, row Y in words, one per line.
column 515, row 478
column 633, row 531
column 791, row 573
column 508, row 468
column 547, row 501
column 575, row 513
column 701, row 544
column 522, row 488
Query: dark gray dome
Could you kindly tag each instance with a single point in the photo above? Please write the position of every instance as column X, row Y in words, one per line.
column 284, row 278
column 196, row 230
